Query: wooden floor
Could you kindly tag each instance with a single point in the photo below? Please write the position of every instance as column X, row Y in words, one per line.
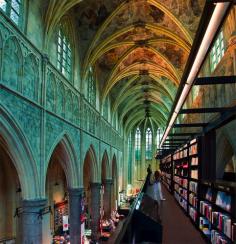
column 177, row 227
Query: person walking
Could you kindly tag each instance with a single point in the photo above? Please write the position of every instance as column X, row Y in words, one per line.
column 154, row 187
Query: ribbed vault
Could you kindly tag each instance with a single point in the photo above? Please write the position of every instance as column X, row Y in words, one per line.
column 138, row 49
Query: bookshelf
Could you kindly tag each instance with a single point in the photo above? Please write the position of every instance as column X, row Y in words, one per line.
column 217, row 206
column 166, row 166
column 181, row 176
column 209, row 203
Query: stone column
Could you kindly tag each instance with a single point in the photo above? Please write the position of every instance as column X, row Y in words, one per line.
column 107, row 198
column 95, row 210
column 75, row 197
column 32, row 221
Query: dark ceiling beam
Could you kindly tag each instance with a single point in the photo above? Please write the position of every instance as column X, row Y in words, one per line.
column 183, row 134
column 204, row 110
column 190, row 125
column 178, row 139
column 215, row 80
column 224, row 118
column 191, row 64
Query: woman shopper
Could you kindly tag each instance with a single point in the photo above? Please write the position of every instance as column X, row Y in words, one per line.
column 154, row 187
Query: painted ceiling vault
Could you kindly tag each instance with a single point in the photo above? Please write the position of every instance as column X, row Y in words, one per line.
column 138, row 49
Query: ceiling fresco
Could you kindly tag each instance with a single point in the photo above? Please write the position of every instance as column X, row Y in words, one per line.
column 139, row 49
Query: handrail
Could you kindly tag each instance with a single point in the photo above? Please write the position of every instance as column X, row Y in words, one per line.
column 129, row 217
column 2, row 241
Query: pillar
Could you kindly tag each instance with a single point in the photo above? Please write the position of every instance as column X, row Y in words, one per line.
column 75, row 201
column 32, row 221
column 107, row 198
column 95, row 210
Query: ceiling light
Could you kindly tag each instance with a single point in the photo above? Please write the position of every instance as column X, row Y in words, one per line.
column 211, row 30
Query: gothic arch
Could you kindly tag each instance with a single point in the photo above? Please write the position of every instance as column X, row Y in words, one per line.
column 91, row 156
column 14, row 142
column 30, row 80
column 65, row 152
column 12, row 63
column 105, row 166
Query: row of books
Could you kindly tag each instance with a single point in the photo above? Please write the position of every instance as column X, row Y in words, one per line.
column 193, row 213
column 181, row 154
column 183, row 192
column 193, row 149
column 183, row 165
column 206, row 209
column 181, row 172
column 194, row 161
column 193, row 200
column 182, row 202
column 217, row 238
column 194, row 174
column 222, row 222
column 193, row 186
column 181, row 181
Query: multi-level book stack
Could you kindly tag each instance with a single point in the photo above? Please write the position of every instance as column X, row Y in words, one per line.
column 181, row 175
column 167, row 172
column 217, row 209
column 193, row 179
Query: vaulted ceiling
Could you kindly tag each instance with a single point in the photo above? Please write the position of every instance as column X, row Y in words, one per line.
column 138, row 49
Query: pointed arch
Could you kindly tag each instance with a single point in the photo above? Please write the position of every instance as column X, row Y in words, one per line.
column 12, row 63
column 14, row 142
column 92, row 159
column 30, row 86
column 64, row 151
column 105, row 165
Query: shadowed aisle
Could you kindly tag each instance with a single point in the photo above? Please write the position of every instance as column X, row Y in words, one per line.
column 177, row 227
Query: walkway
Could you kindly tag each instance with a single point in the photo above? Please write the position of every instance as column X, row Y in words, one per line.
column 177, row 227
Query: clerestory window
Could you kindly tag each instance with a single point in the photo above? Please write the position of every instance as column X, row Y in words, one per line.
column 64, row 57
column 13, row 9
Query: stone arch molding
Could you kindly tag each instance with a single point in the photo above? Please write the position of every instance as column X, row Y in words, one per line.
column 95, row 170
column 21, row 155
column 68, row 159
column 108, row 165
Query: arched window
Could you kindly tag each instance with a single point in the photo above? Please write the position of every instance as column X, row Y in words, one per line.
column 217, row 51
column 91, row 87
column 13, row 9
column 148, row 144
column 64, row 58
column 138, row 144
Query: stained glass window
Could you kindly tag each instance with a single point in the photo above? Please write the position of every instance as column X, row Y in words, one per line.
column 217, row 51
column 138, row 144
column 64, row 57
column 13, row 9
column 148, row 144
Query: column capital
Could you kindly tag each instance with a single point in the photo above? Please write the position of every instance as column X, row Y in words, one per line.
column 76, row 191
